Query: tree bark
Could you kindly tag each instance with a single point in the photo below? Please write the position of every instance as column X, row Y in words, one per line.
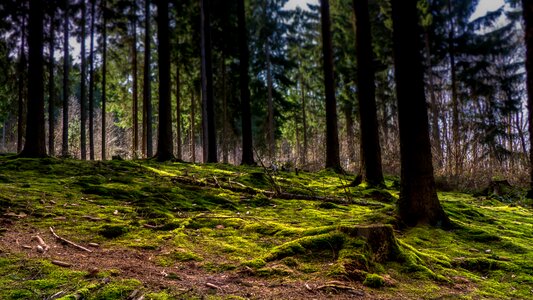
column 418, row 203
column 135, row 106
column 21, row 86
column 370, row 146
column 35, row 144
column 83, row 113
column 247, row 141
column 66, row 71
column 332, row 131
column 51, row 87
column 179, row 154
column 192, row 148
column 527, row 10
column 165, row 150
column 104, row 77
column 91, row 83
column 270, row 133
column 147, row 91
column 208, row 110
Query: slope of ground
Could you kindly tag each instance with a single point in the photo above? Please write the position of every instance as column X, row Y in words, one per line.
column 186, row 231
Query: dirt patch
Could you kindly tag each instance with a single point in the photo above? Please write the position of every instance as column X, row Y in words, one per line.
column 182, row 278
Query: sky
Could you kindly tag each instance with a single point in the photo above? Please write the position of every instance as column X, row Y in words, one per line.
column 484, row 5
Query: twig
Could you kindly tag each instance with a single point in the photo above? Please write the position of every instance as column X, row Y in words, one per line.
column 69, row 242
column 213, row 286
column 61, row 263
column 41, row 243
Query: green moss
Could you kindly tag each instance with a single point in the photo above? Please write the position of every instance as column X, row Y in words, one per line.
column 113, row 231
column 324, row 242
column 374, row 281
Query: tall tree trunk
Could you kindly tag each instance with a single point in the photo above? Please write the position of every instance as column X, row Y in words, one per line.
column 147, row 86
column 91, row 83
column 367, row 96
column 135, row 106
column 270, row 132
column 332, row 132
column 303, row 154
column 455, row 98
column 35, row 144
column 247, row 142
column 435, row 132
column 21, row 86
column 208, row 109
column 104, row 77
column 83, row 113
column 179, row 154
column 192, row 147
column 225, row 141
column 164, row 134
column 66, row 71
column 527, row 8
column 418, row 203
column 51, row 87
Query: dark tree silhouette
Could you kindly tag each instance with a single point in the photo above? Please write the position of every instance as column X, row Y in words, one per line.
column 147, row 85
column 527, row 11
column 66, row 71
column 332, row 135
column 83, row 66
column 247, row 142
column 91, row 82
column 208, row 109
column 35, row 144
column 21, row 86
column 51, row 83
column 418, row 201
column 135, row 106
column 371, row 150
column 164, row 136
column 104, row 76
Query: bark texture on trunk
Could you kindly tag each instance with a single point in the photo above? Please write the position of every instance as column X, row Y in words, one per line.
column 418, row 203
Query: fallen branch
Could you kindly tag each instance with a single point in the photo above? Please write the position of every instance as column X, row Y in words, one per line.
column 271, row 194
column 213, row 286
column 61, row 263
column 41, row 242
column 69, row 242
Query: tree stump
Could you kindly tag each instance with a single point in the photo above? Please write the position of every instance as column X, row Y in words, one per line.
column 380, row 239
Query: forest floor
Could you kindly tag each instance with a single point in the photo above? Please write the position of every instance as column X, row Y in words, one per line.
column 147, row 230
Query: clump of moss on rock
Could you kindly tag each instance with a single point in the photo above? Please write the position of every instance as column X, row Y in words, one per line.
column 113, row 231
column 374, row 281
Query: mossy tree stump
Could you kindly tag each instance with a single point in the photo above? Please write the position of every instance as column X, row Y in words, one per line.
column 380, row 238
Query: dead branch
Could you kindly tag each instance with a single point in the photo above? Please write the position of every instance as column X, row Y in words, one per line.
column 69, row 242
column 61, row 263
column 41, row 242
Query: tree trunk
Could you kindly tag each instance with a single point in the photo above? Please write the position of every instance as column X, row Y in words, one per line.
column 225, row 142
column 178, row 113
column 332, row 132
column 21, row 86
column 192, row 147
column 66, row 71
column 367, row 96
column 164, row 134
column 304, row 122
column 147, row 91
column 51, row 88
column 208, row 109
column 35, row 144
column 91, row 83
column 104, row 77
column 418, row 203
column 83, row 113
column 270, row 133
column 455, row 97
column 135, row 106
column 527, row 8
column 247, row 142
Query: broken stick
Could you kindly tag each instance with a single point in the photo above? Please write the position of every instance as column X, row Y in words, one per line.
column 69, row 242
column 41, row 242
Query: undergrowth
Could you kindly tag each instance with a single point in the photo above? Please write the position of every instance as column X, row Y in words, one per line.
column 137, row 205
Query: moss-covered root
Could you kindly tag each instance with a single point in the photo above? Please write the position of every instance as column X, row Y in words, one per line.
column 380, row 239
